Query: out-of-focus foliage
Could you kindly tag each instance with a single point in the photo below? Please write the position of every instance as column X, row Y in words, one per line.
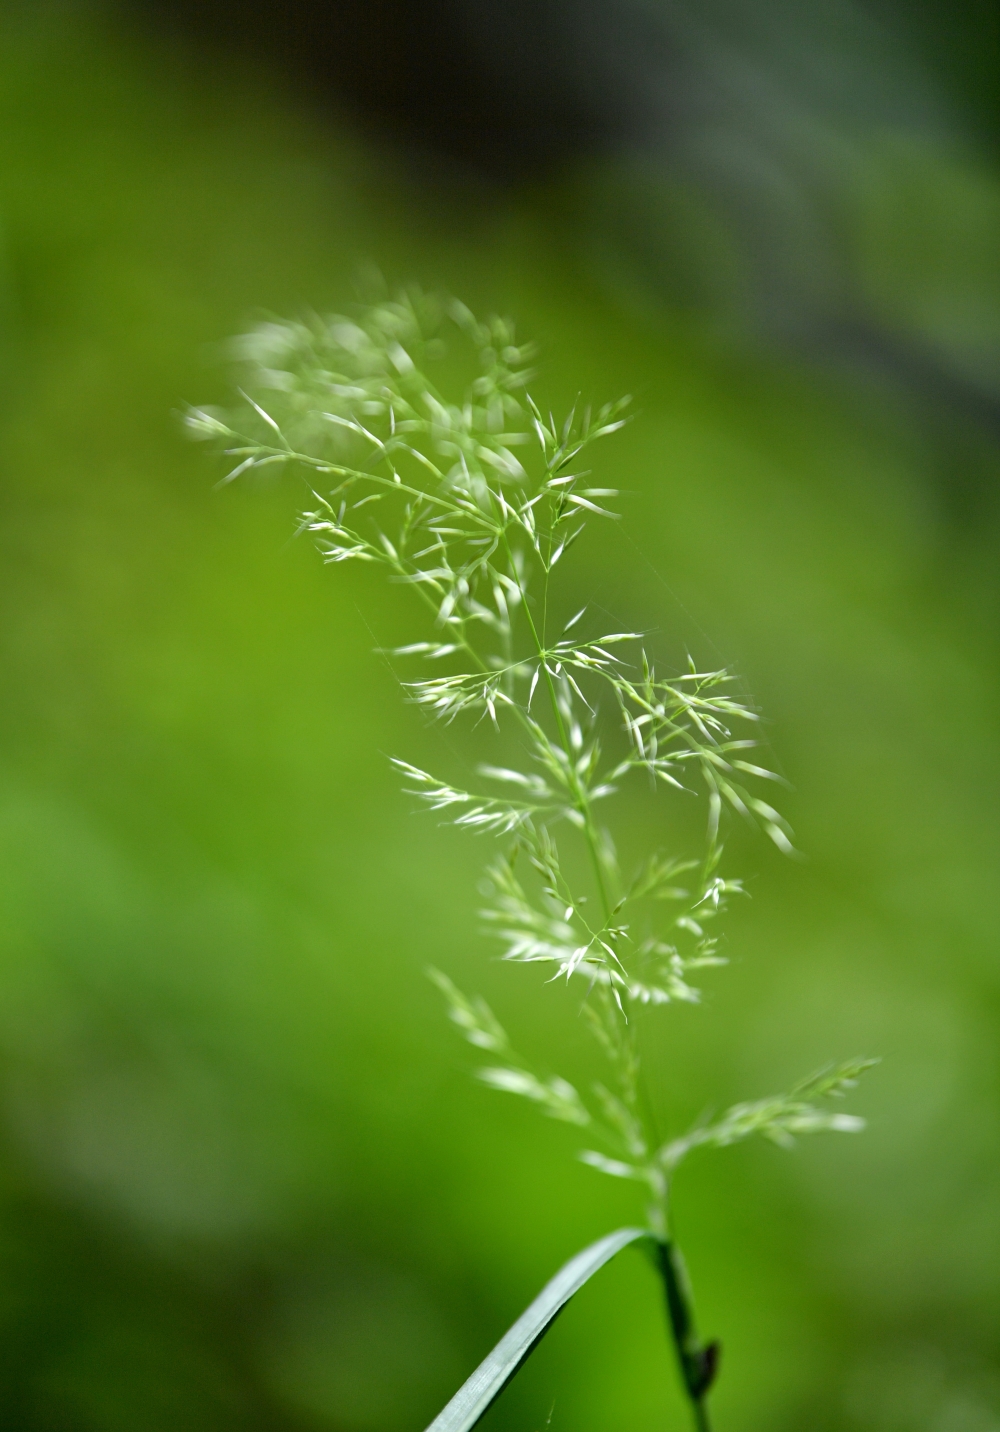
column 245, row 1183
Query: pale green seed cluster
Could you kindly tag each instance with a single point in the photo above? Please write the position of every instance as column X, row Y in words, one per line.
column 473, row 503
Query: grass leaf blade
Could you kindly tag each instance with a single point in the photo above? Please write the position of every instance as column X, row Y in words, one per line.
column 477, row 1394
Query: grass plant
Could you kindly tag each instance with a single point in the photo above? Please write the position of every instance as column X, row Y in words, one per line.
column 473, row 503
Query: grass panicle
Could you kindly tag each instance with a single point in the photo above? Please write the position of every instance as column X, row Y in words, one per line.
column 472, row 501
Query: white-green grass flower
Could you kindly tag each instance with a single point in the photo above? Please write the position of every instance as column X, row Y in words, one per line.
column 471, row 499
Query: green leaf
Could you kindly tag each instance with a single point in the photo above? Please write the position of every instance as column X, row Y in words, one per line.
column 476, row 1395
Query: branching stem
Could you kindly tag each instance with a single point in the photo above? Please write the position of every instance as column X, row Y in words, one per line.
column 582, row 803
column 491, row 523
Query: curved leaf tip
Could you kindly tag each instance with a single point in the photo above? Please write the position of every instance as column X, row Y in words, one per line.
column 476, row 1395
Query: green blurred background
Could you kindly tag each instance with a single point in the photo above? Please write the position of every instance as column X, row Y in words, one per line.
column 245, row 1180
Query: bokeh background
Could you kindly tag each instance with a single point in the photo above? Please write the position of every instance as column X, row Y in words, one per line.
column 245, row 1181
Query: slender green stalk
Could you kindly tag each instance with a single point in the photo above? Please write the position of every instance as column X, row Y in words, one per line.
column 697, row 1362
column 473, row 502
column 582, row 803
